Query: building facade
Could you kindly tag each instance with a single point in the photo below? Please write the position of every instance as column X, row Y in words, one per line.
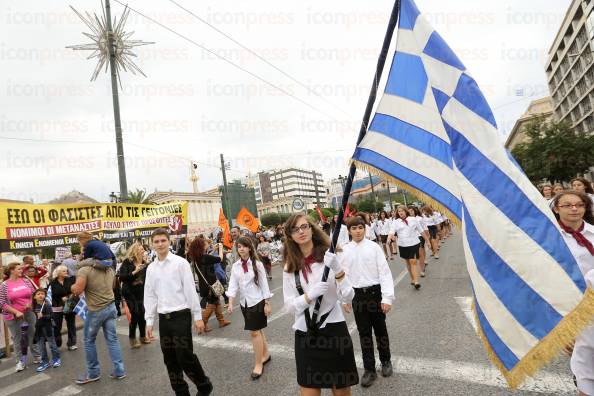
column 273, row 185
column 239, row 195
column 537, row 108
column 287, row 205
column 203, row 208
column 570, row 70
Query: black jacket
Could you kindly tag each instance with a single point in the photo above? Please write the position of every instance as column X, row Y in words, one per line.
column 59, row 290
column 132, row 283
column 206, row 266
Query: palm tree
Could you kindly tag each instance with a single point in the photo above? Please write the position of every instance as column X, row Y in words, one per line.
column 139, row 196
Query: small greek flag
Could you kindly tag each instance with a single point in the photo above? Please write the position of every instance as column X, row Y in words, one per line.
column 81, row 307
column 435, row 135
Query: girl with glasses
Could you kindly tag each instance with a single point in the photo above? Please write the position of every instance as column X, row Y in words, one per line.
column 324, row 355
column 573, row 210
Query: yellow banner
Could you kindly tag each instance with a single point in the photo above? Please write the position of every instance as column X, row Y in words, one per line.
column 28, row 226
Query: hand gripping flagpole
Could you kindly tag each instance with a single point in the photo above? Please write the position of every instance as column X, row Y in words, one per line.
column 366, row 116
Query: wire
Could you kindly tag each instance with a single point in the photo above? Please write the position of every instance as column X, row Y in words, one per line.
column 284, row 91
column 309, row 90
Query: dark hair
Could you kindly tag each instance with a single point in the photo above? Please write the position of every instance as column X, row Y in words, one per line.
column 384, row 213
column 416, row 210
column 196, row 250
column 292, row 253
column 160, row 231
column 585, row 182
column 427, row 210
column 247, row 242
column 40, row 290
column 355, row 221
column 588, row 215
column 238, row 229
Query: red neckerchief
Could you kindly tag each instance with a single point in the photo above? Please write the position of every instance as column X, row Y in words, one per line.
column 578, row 236
column 307, row 262
column 405, row 222
column 244, row 265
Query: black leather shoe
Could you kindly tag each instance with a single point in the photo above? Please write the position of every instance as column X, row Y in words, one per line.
column 265, row 362
column 256, row 376
column 368, row 378
column 205, row 388
column 387, row 369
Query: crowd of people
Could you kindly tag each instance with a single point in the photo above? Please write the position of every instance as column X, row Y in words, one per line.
column 184, row 286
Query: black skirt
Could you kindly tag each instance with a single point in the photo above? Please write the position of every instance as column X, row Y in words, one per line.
column 327, row 359
column 432, row 231
column 422, row 241
column 254, row 317
column 409, row 252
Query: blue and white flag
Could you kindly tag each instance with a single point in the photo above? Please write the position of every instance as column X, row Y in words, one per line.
column 81, row 308
column 435, row 135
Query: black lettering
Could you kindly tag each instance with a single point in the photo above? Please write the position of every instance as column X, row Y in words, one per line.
column 53, row 215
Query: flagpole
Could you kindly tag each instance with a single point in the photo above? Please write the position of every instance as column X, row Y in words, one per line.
column 366, row 116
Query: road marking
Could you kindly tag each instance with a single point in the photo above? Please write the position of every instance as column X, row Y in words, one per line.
column 18, row 386
column 277, row 315
column 67, row 391
column 465, row 304
column 544, row 382
column 7, row 372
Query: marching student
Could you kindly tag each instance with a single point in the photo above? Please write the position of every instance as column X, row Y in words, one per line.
column 413, row 211
column 383, row 229
column 406, row 229
column 343, row 236
column 371, row 278
column 369, row 232
column 429, row 217
column 248, row 276
column 573, row 210
column 324, row 356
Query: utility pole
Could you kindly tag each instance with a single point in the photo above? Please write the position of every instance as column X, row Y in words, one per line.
column 372, row 190
column 225, row 192
column 389, row 195
column 116, row 105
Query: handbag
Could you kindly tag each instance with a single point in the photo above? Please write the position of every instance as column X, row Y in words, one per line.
column 70, row 304
column 217, row 288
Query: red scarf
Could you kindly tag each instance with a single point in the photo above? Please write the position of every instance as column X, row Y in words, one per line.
column 405, row 222
column 244, row 266
column 307, row 262
column 578, row 236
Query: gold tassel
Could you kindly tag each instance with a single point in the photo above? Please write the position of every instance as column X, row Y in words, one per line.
column 421, row 195
column 550, row 346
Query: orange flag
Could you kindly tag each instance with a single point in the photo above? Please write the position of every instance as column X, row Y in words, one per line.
column 226, row 232
column 246, row 219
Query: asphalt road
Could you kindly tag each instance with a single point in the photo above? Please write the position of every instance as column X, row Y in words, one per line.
column 434, row 347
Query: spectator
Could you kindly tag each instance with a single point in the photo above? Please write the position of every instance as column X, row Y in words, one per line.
column 44, row 332
column 132, row 275
column 95, row 277
column 70, row 264
column 15, row 299
column 61, row 293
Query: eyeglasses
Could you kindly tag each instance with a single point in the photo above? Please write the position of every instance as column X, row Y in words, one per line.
column 302, row 227
column 568, row 206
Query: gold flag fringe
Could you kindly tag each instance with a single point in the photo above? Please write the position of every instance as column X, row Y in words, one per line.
column 421, row 195
column 550, row 346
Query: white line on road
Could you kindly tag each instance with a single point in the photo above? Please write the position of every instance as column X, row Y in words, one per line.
column 465, row 304
column 7, row 372
column 545, row 382
column 67, row 391
column 18, row 386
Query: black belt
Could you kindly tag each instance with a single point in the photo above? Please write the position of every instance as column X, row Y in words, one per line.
column 175, row 314
column 368, row 289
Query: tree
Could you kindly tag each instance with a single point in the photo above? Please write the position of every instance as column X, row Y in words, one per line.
column 270, row 219
column 139, row 196
column 327, row 212
column 554, row 151
column 370, row 206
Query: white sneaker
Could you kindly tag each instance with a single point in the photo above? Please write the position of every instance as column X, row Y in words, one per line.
column 437, row 257
column 422, row 274
column 20, row 366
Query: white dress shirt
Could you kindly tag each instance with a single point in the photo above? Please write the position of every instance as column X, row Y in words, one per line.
column 338, row 293
column 383, row 227
column 169, row 287
column 582, row 359
column 250, row 293
column 422, row 222
column 370, row 233
column 408, row 234
column 343, row 236
column 365, row 264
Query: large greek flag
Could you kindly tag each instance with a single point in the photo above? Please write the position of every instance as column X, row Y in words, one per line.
column 435, row 135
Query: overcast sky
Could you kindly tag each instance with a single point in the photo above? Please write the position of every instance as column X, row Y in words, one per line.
column 195, row 106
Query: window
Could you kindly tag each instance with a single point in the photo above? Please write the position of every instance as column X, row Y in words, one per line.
column 590, row 30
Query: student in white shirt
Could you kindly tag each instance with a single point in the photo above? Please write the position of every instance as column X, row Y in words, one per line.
column 407, row 230
column 383, row 227
column 430, row 220
column 413, row 211
column 323, row 349
column 248, row 276
column 371, row 278
column 169, row 289
column 573, row 209
column 343, row 236
column 391, row 238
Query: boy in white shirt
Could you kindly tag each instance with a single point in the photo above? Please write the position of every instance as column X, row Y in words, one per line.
column 367, row 269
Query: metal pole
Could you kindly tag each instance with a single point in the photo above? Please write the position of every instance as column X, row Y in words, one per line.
column 116, row 106
column 366, row 116
column 372, row 190
column 316, row 187
column 225, row 192
column 389, row 195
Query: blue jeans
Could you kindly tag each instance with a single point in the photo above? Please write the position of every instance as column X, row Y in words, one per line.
column 105, row 319
column 51, row 341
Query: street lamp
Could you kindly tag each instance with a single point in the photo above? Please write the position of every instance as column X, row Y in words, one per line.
column 113, row 197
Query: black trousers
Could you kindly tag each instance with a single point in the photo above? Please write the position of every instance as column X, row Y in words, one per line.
column 134, row 300
column 58, row 318
column 175, row 333
column 370, row 319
